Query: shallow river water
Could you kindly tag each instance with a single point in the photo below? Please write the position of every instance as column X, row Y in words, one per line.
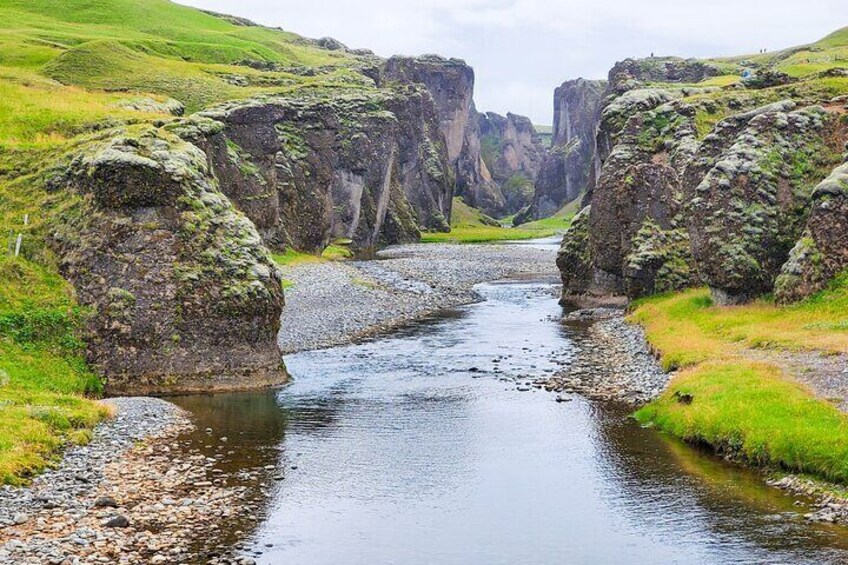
column 422, row 448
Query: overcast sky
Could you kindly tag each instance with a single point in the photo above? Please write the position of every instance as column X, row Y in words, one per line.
column 522, row 49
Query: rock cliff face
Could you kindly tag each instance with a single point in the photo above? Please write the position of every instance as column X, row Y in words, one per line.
column 183, row 293
column 572, row 165
column 512, row 151
column 708, row 185
column 370, row 167
column 169, row 246
column 451, row 84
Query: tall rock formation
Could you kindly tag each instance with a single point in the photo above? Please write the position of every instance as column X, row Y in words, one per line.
column 168, row 245
column 184, row 296
column 371, row 167
column 571, row 165
column 451, row 84
column 708, row 185
column 512, row 152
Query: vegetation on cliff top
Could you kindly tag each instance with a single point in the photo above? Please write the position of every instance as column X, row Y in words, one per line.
column 121, row 49
column 743, row 406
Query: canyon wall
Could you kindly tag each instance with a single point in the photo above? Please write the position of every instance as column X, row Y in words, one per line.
column 708, row 185
column 570, row 167
column 169, row 242
column 512, row 152
column 495, row 158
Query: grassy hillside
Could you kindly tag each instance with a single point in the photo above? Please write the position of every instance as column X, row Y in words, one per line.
column 43, row 376
column 804, row 61
column 469, row 225
column 809, row 68
column 118, row 50
column 560, row 221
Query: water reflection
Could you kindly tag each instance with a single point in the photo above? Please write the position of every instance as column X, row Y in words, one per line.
column 419, row 448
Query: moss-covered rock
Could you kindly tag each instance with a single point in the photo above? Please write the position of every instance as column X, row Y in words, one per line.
column 639, row 183
column 822, row 251
column 659, row 261
column 573, row 258
column 512, row 152
column 751, row 206
column 184, row 296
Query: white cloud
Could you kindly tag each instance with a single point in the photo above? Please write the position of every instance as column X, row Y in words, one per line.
column 522, row 48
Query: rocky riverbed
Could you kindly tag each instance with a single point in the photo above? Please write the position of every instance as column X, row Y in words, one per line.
column 334, row 303
column 124, row 498
column 613, row 360
column 136, row 495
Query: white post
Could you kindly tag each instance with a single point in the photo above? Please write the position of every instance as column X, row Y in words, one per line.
column 26, row 219
column 18, row 244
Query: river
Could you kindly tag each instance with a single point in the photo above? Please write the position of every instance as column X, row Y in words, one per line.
column 425, row 447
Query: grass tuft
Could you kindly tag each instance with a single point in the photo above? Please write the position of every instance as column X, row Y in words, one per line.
column 752, row 412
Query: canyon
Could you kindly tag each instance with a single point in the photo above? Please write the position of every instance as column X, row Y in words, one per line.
column 314, row 252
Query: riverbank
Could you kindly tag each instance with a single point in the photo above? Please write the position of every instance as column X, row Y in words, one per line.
column 129, row 496
column 760, row 384
column 613, row 360
column 45, row 384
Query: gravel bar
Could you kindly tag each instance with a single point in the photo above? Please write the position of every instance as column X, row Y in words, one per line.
column 335, row 303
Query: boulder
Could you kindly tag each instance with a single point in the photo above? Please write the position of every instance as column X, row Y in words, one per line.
column 750, row 207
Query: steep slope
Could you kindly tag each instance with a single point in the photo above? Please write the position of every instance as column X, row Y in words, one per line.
column 451, row 84
column 708, row 174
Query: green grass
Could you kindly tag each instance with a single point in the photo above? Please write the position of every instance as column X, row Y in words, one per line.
column 559, row 222
column 484, row 234
column 750, row 410
column 687, row 329
column 736, row 405
column 292, row 257
column 45, row 386
column 66, row 65
column 464, row 216
column 469, row 225
column 828, row 53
